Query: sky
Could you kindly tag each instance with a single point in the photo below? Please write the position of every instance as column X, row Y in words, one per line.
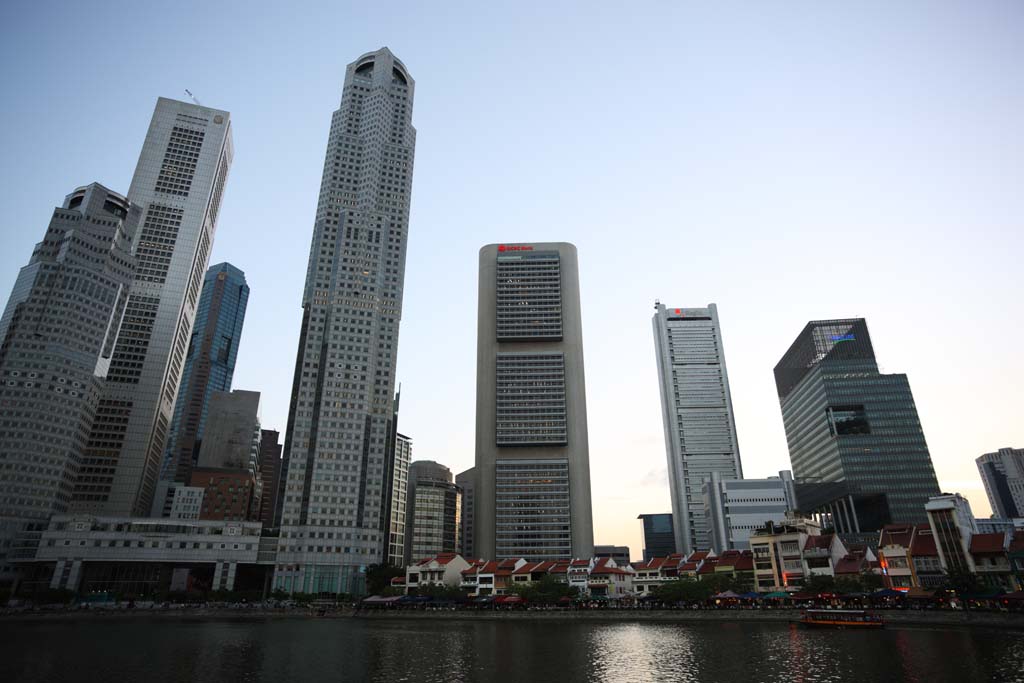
column 787, row 161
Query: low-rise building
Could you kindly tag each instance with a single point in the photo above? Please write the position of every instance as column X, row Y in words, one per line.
column 821, row 554
column 924, row 557
column 894, row 543
column 777, row 551
column 444, row 569
column 989, row 556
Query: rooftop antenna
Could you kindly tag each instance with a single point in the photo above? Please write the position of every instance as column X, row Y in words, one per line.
column 189, row 93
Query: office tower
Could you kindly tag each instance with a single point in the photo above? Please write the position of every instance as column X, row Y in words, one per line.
column 619, row 553
column 398, row 455
column 398, row 506
column 434, row 512
column 532, row 455
column 270, row 474
column 700, row 431
column 858, row 452
column 659, row 535
column 178, row 185
column 467, row 482
column 735, row 507
column 56, row 336
column 209, row 365
column 229, row 466
column 336, row 443
column 1003, row 475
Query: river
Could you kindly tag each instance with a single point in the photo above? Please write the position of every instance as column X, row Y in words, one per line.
column 426, row 651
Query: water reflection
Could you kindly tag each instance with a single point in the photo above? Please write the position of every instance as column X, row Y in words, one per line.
column 500, row 651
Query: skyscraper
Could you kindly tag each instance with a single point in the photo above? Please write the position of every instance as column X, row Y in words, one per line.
column 467, row 482
column 56, row 337
column 398, row 504
column 858, row 451
column 344, row 380
column 434, row 512
column 532, row 453
column 209, row 365
column 696, row 406
column 1002, row 473
column 178, row 185
column 270, row 474
column 659, row 535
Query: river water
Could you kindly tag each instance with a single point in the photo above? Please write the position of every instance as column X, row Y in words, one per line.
column 516, row 650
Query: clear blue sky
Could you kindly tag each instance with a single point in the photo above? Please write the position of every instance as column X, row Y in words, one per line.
column 788, row 161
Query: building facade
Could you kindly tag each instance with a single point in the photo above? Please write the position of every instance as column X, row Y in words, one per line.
column 398, row 509
column 659, row 535
column 57, row 334
column 700, row 431
column 467, row 482
column 344, row 381
column 853, row 429
column 952, row 525
column 532, row 452
column 270, row 476
column 1003, row 475
column 735, row 508
column 178, row 184
column 434, row 513
column 209, row 365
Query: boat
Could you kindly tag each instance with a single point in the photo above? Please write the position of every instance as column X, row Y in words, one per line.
column 841, row 618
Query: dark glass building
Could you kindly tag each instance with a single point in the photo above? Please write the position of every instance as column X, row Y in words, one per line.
column 209, row 365
column 858, row 451
column 659, row 535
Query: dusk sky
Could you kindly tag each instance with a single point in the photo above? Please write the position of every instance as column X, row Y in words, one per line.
column 787, row 161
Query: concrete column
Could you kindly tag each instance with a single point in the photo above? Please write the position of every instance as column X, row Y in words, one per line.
column 218, row 572
column 75, row 577
column 58, row 575
column 853, row 509
column 230, row 585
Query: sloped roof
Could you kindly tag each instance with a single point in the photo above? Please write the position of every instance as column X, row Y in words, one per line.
column 819, row 542
column 745, row 563
column 896, row 534
column 850, row 564
column 1017, row 542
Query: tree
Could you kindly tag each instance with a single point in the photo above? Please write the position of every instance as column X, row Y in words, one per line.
column 820, row 584
column 545, row 590
column 963, row 583
column 871, row 582
column 378, row 577
column 441, row 592
column 685, row 590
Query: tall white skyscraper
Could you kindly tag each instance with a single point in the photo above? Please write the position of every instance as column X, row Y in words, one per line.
column 700, row 432
column 178, row 184
column 532, row 448
column 334, row 499
column 1002, row 473
column 56, row 337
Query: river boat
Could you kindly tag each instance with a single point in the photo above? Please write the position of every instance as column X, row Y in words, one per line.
column 841, row 618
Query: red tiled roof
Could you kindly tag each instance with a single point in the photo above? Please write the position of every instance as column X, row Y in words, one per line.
column 1017, row 542
column 397, row 580
column 745, row 563
column 697, row 555
column 850, row 564
column 987, row 544
column 581, row 563
column 709, row 566
column 896, row 534
column 688, row 567
column 924, row 543
column 822, row 542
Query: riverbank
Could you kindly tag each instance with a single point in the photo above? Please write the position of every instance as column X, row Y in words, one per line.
column 928, row 618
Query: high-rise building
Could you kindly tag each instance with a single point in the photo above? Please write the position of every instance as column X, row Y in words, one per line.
column 434, row 512
column 398, row 507
column 736, row 507
column 532, row 453
column 270, row 475
column 229, row 467
column 341, row 403
column 659, row 535
column 178, row 185
column 209, row 365
column 1003, row 475
column 858, row 451
column 57, row 334
column 700, row 431
column 467, row 482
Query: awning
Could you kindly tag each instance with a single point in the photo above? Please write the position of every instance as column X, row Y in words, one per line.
column 508, row 600
column 381, row 600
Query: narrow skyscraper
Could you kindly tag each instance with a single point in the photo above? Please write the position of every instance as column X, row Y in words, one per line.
column 178, row 185
column 467, row 482
column 859, row 454
column 700, row 431
column 1002, row 473
column 341, row 403
column 57, row 334
column 434, row 514
column 532, row 453
column 209, row 365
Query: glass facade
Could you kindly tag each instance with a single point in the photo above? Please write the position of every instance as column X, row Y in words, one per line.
column 659, row 537
column 846, row 422
column 532, row 504
column 209, row 365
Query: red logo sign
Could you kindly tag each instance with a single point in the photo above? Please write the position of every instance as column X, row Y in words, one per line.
column 678, row 311
column 513, row 247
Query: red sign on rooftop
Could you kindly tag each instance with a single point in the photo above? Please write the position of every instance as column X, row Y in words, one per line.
column 514, row 247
